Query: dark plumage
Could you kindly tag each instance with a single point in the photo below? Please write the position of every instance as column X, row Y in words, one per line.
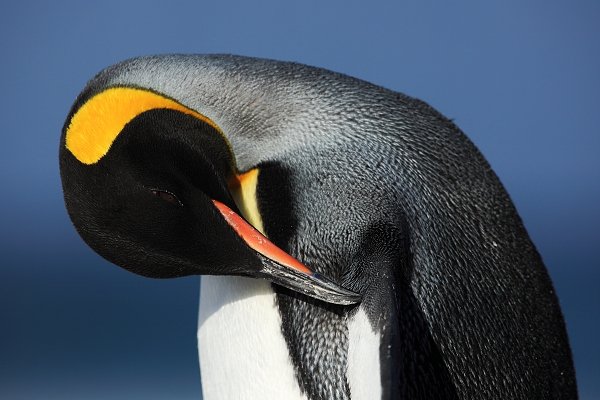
column 366, row 186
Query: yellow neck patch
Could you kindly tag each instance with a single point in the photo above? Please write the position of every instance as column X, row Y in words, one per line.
column 98, row 122
column 243, row 189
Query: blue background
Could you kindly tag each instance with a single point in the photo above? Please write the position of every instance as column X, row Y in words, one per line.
column 521, row 78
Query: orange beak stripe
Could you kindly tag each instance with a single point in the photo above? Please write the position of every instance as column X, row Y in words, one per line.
column 257, row 241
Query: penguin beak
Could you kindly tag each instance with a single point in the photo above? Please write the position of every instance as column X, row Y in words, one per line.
column 281, row 268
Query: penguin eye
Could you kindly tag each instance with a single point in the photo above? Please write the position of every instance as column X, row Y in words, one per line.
column 166, row 196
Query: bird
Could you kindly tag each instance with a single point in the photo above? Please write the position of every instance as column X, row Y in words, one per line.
column 352, row 242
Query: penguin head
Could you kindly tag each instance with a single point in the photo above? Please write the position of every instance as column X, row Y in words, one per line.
column 150, row 185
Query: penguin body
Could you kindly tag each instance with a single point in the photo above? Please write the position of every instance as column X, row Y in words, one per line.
column 372, row 189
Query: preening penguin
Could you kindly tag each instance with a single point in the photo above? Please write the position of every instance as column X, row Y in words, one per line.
column 353, row 243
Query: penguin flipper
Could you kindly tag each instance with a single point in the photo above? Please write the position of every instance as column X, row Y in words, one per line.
column 411, row 363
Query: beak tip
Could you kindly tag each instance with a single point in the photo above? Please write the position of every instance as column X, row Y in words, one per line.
column 331, row 292
column 310, row 284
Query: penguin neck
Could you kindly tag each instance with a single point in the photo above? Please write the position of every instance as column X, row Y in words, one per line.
column 242, row 350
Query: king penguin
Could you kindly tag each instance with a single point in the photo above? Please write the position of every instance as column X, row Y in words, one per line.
column 352, row 242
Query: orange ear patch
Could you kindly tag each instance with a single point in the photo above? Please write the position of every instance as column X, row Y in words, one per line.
column 98, row 122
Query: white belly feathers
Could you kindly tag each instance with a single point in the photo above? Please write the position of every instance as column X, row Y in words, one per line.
column 243, row 354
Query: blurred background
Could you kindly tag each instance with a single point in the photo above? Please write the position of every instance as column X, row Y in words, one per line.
column 521, row 78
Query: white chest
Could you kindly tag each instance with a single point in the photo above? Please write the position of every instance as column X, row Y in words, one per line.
column 364, row 368
column 243, row 354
